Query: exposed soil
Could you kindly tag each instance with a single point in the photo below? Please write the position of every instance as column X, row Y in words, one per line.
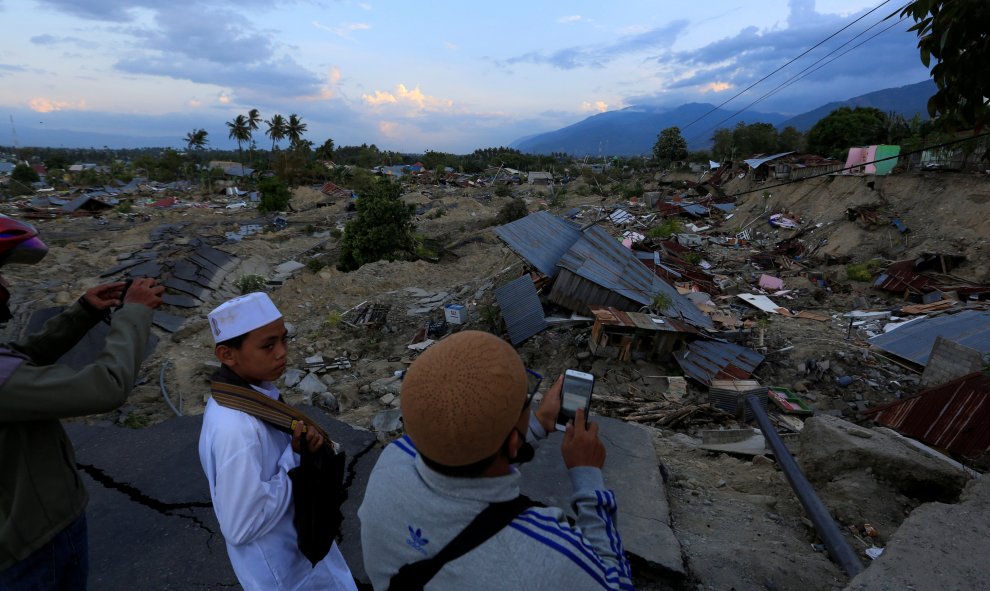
column 737, row 519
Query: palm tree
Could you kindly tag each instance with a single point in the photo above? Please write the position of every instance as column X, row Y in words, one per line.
column 276, row 130
column 196, row 140
column 241, row 132
column 295, row 129
column 254, row 121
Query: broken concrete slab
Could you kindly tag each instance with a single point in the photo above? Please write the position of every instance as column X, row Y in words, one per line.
column 288, row 267
column 180, row 300
column 218, row 258
column 186, row 287
column 146, row 269
column 389, row 385
column 632, row 472
column 387, row 421
column 417, row 292
column 741, row 442
column 311, row 385
column 433, row 299
column 127, row 264
column 937, row 547
column 831, row 447
column 292, row 376
column 167, row 322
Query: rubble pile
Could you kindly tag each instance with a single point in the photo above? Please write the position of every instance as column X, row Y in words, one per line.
column 832, row 301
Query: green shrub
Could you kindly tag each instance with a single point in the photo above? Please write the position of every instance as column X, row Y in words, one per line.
column 250, row 283
column 634, row 190
column 383, row 228
column 661, row 302
column 503, row 191
column 863, row 271
column 275, row 195
column 332, row 319
column 666, row 228
column 316, row 264
column 511, row 211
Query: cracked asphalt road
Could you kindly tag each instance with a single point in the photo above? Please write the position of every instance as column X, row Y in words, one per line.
column 151, row 521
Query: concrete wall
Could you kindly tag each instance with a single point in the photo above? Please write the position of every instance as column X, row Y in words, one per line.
column 950, row 360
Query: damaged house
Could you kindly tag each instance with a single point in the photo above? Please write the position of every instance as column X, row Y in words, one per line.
column 589, row 267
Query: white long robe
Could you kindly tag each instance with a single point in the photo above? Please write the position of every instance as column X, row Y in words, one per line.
column 247, row 462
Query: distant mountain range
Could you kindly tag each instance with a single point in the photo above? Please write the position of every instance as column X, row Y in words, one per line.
column 633, row 130
column 906, row 100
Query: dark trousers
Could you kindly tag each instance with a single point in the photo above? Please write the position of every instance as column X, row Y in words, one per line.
column 60, row 565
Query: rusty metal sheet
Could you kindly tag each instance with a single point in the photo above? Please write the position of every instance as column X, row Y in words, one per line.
column 954, row 416
column 705, row 361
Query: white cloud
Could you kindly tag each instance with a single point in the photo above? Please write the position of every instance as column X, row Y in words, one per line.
column 403, row 96
column 344, row 31
column 223, row 98
column 715, row 87
column 45, row 105
column 566, row 20
column 597, row 106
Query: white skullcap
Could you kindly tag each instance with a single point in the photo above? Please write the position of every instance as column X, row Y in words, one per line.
column 241, row 315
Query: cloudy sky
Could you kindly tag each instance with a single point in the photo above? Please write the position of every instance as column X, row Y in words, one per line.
column 450, row 76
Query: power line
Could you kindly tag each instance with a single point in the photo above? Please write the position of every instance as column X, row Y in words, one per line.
column 808, row 70
column 814, row 176
column 804, row 53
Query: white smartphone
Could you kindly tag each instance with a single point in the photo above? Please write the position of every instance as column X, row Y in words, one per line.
column 575, row 393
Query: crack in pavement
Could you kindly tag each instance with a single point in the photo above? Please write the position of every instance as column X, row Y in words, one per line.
column 348, row 480
column 135, row 495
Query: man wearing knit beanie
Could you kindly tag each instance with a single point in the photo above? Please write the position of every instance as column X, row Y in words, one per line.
column 442, row 507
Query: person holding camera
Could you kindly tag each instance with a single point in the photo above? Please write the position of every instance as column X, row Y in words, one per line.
column 43, row 543
column 442, row 507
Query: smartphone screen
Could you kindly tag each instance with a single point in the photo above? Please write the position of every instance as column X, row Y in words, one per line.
column 575, row 393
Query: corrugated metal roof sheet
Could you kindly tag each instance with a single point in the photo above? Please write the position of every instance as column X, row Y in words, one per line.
column 705, row 361
column 954, row 416
column 85, row 201
column 521, row 309
column 621, row 216
column 601, row 259
column 914, row 341
column 540, row 238
column 757, row 162
column 610, row 316
column 695, row 209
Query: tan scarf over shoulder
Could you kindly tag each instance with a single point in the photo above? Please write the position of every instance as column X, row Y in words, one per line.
column 274, row 412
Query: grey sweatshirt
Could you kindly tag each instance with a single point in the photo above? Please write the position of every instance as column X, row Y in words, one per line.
column 410, row 512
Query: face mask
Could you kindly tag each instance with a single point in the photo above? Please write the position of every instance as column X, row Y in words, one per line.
column 525, row 454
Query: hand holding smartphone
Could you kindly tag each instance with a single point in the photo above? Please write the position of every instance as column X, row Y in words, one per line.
column 575, row 393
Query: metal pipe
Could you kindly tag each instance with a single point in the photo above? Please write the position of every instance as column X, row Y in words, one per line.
column 165, row 394
column 828, row 531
